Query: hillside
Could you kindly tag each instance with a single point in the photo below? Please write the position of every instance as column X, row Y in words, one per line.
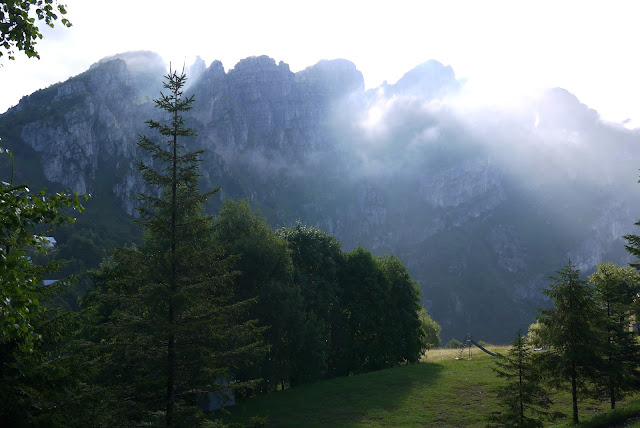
column 440, row 393
column 482, row 204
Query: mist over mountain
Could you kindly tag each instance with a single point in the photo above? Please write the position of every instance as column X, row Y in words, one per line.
column 482, row 203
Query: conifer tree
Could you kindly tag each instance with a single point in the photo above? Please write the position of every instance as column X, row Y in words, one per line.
column 616, row 289
column 633, row 246
column 570, row 328
column 162, row 310
column 523, row 398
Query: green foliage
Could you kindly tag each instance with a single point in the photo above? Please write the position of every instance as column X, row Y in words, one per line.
column 534, row 335
column 406, row 337
column 34, row 370
column 19, row 31
column 381, row 305
column 570, row 328
column 616, row 290
column 317, row 261
column 264, row 268
column 523, row 399
column 20, row 213
column 633, row 246
column 431, row 328
column 453, row 344
column 364, row 293
column 165, row 327
column 327, row 313
column 42, row 387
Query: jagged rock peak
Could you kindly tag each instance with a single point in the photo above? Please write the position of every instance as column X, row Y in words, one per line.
column 138, row 62
column 338, row 76
column 214, row 71
column 430, row 79
column 196, row 69
column 258, row 63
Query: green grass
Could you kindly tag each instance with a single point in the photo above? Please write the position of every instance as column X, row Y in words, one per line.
column 440, row 392
column 627, row 416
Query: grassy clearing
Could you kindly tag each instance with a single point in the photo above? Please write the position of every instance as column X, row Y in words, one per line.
column 440, row 354
column 439, row 392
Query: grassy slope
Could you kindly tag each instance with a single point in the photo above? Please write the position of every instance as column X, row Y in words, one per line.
column 440, row 392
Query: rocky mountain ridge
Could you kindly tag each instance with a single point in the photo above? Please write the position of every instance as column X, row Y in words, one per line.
column 482, row 207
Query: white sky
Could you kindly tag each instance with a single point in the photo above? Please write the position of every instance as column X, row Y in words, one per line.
column 502, row 48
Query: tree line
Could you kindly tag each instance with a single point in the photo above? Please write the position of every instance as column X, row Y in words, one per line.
column 202, row 305
column 586, row 342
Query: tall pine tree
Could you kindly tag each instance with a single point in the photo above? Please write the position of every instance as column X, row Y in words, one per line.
column 616, row 290
column 163, row 311
column 570, row 328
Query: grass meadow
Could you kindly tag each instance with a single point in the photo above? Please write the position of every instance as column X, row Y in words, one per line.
column 438, row 392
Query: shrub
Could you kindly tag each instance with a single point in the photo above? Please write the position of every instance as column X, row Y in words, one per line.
column 453, row 343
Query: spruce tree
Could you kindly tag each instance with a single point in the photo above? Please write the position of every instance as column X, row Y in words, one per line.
column 570, row 329
column 163, row 311
column 523, row 398
column 616, row 289
column 633, row 246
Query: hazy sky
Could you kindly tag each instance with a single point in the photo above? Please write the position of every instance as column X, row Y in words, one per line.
column 502, row 48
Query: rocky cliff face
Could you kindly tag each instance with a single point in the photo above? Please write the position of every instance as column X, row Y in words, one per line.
column 481, row 210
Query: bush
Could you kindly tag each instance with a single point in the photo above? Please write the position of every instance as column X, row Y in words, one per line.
column 534, row 337
column 453, row 343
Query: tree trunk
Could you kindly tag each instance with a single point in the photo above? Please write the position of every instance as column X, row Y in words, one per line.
column 170, row 379
column 612, row 394
column 171, row 353
column 574, row 393
column 520, row 390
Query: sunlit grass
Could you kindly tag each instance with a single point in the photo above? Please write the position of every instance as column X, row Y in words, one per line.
column 439, row 392
column 442, row 354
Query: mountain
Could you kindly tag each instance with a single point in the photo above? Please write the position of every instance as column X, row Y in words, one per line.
column 482, row 204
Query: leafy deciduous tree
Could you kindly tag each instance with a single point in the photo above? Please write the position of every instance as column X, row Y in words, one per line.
column 364, row 292
column 317, row 261
column 431, row 329
column 534, row 335
column 20, row 213
column 265, row 271
column 30, row 334
column 19, row 31
column 405, row 336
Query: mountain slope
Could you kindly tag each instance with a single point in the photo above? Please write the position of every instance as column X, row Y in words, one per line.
column 482, row 205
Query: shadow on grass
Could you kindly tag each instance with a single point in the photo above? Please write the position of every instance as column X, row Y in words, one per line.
column 338, row 402
column 625, row 416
